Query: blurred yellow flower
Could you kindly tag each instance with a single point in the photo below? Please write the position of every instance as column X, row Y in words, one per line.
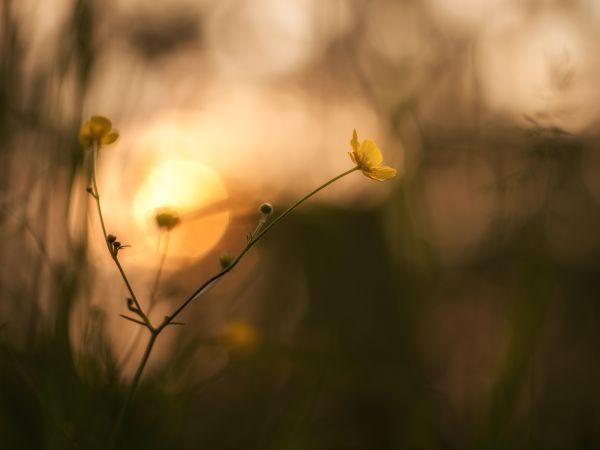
column 367, row 156
column 167, row 218
column 240, row 337
column 97, row 130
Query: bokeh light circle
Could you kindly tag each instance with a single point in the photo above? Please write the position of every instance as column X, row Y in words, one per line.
column 191, row 189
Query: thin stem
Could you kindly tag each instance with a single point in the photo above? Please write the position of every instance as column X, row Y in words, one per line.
column 134, row 385
column 299, row 202
column 132, row 319
column 261, row 223
column 153, row 292
column 161, row 266
column 96, row 195
column 248, row 246
column 113, row 254
column 169, row 320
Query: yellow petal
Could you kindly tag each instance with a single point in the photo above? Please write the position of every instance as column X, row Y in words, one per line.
column 354, row 141
column 85, row 134
column 100, row 125
column 241, row 337
column 109, row 138
column 369, row 155
column 96, row 130
column 381, row 173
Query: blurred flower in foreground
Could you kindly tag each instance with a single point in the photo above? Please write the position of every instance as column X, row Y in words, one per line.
column 240, row 337
column 368, row 158
column 97, row 130
column 166, row 218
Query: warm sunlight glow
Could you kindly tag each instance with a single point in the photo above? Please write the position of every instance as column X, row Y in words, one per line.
column 291, row 22
column 464, row 15
column 196, row 192
column 544, row 68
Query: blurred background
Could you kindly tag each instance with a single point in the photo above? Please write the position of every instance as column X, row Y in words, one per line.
column 453, row 307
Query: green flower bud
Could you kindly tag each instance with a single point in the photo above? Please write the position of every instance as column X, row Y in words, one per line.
column 226, row 260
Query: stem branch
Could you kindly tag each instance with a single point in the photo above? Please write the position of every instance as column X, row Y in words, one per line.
column 113, row 254
column 169, row 320
column 248, row 246
column 134, row 385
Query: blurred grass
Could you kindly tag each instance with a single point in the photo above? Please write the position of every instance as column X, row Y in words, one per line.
column 356, row 372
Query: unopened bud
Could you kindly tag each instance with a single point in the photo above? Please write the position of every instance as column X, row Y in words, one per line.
column 167, row 218
column 266, row 209
column 226, row 260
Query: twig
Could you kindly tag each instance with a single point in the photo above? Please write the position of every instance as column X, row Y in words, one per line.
column 132, row 319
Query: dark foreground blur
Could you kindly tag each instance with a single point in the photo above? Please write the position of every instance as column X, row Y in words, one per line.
column 454, row 307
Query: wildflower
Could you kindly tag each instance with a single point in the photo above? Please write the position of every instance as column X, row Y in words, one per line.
column 97, row 130
column 167, row 218
column 367, row 156
column 240, row 337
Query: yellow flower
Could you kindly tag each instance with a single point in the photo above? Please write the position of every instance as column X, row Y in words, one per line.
column 167, row 218
column 368, row 159
column 97, row 130
column 240, row 337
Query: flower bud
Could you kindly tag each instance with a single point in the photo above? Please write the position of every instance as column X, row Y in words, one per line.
column 166, row 218
column 266, row 209
column 226, row 260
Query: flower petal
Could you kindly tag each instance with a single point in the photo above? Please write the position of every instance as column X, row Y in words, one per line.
column 354, row 141
column 100, row 125
column 109, row 138
column 353, row 157
column 97, row 129
column 381, row 173
column 85, row 134
column 369, row 155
